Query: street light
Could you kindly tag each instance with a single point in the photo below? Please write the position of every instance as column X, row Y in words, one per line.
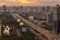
column 24, row 29
column 18, row 20
column 21, row 23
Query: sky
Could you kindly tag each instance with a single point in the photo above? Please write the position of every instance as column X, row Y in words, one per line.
column 29, row 2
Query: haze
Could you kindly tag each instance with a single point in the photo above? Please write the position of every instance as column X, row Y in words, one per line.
column 29, row 2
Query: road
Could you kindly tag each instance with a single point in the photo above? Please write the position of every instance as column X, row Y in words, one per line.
column 37, row 30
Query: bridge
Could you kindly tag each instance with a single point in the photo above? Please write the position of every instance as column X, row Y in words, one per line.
column 38, row 31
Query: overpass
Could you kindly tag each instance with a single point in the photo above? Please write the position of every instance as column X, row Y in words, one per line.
column 38, row 31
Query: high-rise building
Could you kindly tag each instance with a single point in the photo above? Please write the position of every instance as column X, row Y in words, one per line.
column 4, row 9
column 57, row 20
column 50, row 19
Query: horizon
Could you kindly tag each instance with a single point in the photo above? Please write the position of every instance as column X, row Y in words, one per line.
column 29, row 2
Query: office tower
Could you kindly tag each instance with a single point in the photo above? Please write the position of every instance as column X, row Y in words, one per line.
column 48, row 8
column 4, row 9
column 50, row 19
column 57, row 20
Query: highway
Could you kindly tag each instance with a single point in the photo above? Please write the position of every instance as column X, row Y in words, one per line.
column 37, row 30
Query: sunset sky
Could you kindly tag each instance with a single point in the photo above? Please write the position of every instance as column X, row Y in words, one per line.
column 29, row 2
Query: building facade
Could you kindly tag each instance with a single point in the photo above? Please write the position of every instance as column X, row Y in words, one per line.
column 57, row 19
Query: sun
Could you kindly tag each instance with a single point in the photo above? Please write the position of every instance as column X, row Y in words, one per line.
column 1, row 4
column 24, row 1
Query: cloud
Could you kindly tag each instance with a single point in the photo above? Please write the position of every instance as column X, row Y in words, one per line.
column 30, row 2
column 8, row 1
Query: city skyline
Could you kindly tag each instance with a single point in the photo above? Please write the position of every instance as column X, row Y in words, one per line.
column 29, row 2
